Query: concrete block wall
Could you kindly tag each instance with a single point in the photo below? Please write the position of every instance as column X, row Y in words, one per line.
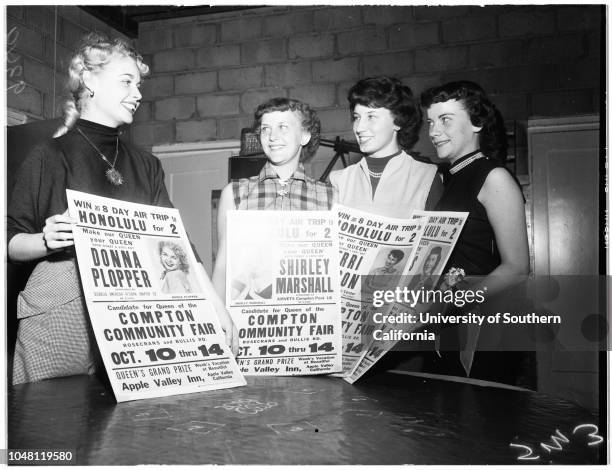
column 209, row 72
column 39, row 43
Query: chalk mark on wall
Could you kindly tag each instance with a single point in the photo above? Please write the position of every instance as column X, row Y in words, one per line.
column 15, row 72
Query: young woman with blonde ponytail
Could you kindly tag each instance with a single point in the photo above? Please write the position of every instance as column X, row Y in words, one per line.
column 87, row 154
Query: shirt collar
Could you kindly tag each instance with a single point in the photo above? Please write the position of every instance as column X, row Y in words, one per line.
column 268, row 172
column 392, row 164
column 464, row 161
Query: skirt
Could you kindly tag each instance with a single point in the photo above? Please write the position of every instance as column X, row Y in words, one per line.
column 54, row 338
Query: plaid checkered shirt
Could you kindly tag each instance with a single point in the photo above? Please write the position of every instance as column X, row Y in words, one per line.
column 266, row 192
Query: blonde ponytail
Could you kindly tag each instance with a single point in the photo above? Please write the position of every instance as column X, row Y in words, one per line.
column 71, row 114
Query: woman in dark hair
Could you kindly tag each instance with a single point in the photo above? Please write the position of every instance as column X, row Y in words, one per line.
column 482, row 112
column 467, row 131
column 387, row 181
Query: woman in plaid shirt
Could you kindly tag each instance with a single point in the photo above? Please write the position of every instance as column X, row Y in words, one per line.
column 289, row 132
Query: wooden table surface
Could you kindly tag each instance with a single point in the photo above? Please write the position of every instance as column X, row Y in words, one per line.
column 384, row 419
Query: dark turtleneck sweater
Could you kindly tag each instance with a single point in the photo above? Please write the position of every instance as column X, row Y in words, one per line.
column 377, row 165
column 70, row 162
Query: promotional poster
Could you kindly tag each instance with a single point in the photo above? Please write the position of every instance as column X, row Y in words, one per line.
column 375, row 252
column 282, row 278
column 155, row 326
column 438, row 233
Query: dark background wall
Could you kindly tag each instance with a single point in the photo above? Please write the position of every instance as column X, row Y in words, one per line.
column 210, row 71
column 39, row 42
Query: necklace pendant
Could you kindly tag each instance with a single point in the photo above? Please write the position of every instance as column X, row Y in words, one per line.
column 282, row 192
column 114, row 177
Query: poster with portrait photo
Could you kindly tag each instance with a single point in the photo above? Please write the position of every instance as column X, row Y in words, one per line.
column 156, row 338
column 369, row 244
column 283, row 291
column 440, row 233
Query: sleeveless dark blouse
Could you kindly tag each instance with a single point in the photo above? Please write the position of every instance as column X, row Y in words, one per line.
column 476, row 250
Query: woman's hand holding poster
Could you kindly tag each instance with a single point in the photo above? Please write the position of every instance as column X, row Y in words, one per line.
column 155, row 326
column 413, row 292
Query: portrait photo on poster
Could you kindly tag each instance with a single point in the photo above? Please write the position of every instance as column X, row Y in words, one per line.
column 425, row 277
column 255, row 275
column 176, row 274
column 387, row 267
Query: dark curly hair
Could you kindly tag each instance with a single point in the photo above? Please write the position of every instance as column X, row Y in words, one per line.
column 437, row 251
column 390, row 93
column 310, row 121
column 483, row 113
column 397, row 254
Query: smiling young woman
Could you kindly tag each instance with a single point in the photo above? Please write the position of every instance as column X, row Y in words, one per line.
column 118, row 97
column 282, row 138
column 54, row 337
column 387, row 181
column 289, row 132
column 468, row 131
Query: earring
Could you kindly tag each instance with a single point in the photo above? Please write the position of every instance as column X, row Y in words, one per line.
column 91, row 92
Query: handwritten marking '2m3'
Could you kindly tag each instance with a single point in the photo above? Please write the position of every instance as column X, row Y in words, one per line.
column 559, row 439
